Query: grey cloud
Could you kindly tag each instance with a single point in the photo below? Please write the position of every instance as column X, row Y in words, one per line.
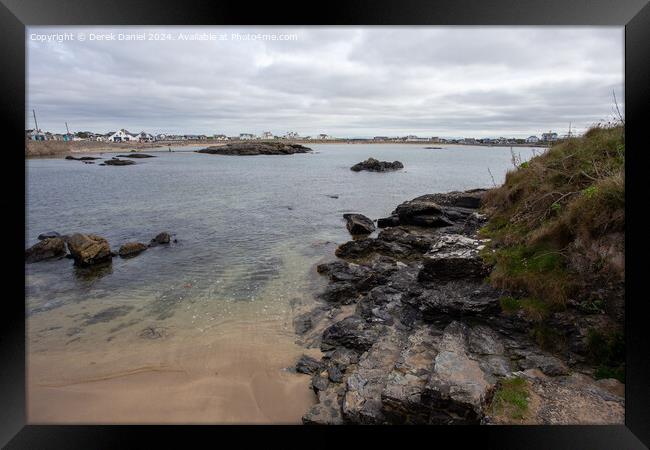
column 337, row 80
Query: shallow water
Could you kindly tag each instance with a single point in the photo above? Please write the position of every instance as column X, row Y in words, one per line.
column 201, row 330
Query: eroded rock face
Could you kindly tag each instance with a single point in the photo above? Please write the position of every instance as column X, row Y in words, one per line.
column 256, row 148
column 48, row 248
column 131, row 249
column 358, row 224
column 374, row 165
column 88, row 249
column 454, row 256
column 426, row 342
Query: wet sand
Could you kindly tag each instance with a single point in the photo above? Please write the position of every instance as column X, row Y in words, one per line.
column 235, row 375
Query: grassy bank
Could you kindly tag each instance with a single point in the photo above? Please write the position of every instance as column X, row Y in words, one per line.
column 557, row 232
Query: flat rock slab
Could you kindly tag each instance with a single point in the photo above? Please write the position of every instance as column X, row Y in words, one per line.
column 256, row 148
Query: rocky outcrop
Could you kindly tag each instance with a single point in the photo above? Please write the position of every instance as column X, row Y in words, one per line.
column 425, row 341
column 439, row 210
column 374, row 165
column 358, row 224
column 256, row 148
column 131, row 249
column 82, row 158
column 88, row 249
column 47, row 248
column 136, row 155
column 118, row 162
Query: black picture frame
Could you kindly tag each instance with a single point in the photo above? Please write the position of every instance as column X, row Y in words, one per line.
column 15, row 15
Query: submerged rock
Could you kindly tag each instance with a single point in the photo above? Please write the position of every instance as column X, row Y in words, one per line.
column 374, row 165
column 256, row 148
column 47, row 248
column 48, row 235
column 358, row 224
column 131, row 249
column 118, row 162
column 83, row 158
column 136, row 155
column 88, row 249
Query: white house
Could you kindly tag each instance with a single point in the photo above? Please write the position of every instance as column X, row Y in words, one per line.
column 146, row 137
column 532, row 139
column 220, row 137
column 122, row 136
column 246, row 136
column 291, row 135
column 267, row 135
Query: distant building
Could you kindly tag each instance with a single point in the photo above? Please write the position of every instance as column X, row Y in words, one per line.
column 549, row 137
column 323, row 136
column 246, row 136
column 413, row 138
column 532, row 140
column 380, row 138
column 267, row 135
column 220, row 137
column 122, row 136
column 291, row 135
column 145, row 137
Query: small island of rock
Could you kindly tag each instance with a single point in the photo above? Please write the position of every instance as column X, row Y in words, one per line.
column 256, row 148
column 375, row 165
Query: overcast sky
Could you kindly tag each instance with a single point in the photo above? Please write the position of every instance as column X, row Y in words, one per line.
column 342, row 81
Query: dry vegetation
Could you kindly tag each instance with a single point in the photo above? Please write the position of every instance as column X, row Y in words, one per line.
column 557, row 229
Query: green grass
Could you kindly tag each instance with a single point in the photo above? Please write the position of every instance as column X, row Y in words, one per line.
column 572, row 193
column 511, row 398
column 607, row 352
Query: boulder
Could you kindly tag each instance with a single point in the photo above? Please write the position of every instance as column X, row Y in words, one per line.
column 454, row 256
column 131, row 249
column 48, row 235
column 351, row 332
column 457, row 299
column 308, row 365
column 161, row 238
column 88, row 249
column 374, row 165
column 358, row 224
column 45, row 249
column 457, row 389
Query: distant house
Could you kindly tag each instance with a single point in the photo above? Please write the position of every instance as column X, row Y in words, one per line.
column 267, row 135
column 246, row 136
column 122, row 136
column 323, row 137
column 291, row 135
column 532, row 140
column 380, row 138
column 35, row 135
column 549, row 137
column 145, row 137
column 413, row 138
column 220, row 137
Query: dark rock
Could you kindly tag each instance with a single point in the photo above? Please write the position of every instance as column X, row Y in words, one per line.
column 454, row 257
column 161, row 238
column 308, row 365
column 358, row 224
column 48, row 235
column 46, row 249
column 118, row 162
column 334, row 374
column 374, row 165
column 83, row 158
column 457, row 299
column 351, row 332
column 256, row 148
column 136, row 155
column 88, row 249
column 131, row 249
column 385, row 222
